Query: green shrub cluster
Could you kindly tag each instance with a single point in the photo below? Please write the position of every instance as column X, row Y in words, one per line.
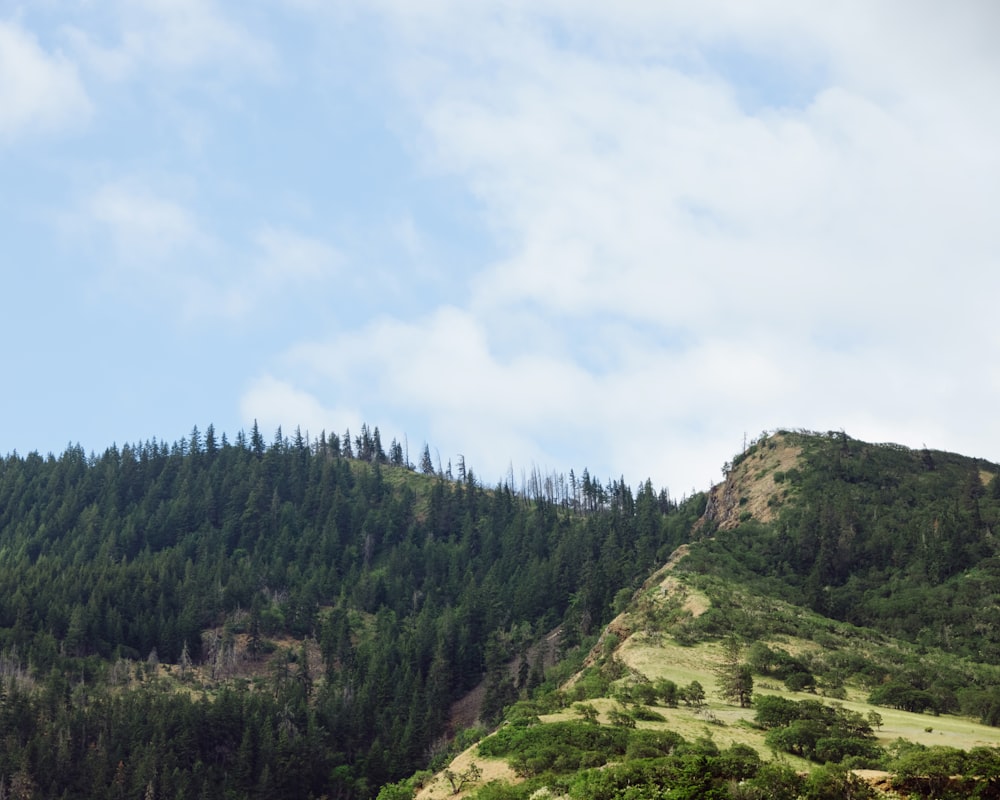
column 946, row 772
column 559, row 747
column 819, row 732
column 588, row 762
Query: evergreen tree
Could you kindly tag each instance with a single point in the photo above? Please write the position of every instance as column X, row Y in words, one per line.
column 426, row 463
column 256, row 441
column 734, row 675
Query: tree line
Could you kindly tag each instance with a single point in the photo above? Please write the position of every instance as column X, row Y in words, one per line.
column 375, row 594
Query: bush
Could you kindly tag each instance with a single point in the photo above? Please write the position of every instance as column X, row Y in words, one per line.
column 774, row 781
column 738, row 762
column 904, row 697
column 800, row 682
column 667, row 691
column 501, row 790
column 815, row 731
column 652, row 744
column 558, row 747
column 774, row 711
column 836, row 783
column 646, row 714
column 402, row 790
column 693, row 694
column 927, row 770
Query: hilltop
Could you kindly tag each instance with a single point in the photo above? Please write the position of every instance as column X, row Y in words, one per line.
column 872, row 534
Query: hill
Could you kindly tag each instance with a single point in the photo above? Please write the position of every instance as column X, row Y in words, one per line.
column 880, row 536
column 213, row 617
column 900, row 718
column 295, row 619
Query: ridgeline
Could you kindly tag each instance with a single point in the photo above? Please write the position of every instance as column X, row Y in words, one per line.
column 298, row 619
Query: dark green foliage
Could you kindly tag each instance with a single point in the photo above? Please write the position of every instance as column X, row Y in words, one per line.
column 667, row 692
column 645, row 714
column 621, row 718
column 927, row 771
column 904, row 697
column 652, row 744
column 693, row 694
column 501, row 790
column 197, row 554
column 774, row 711
column 734, row 675
column 596, row 762
column 773, row 781
column 779, row 664
column 833, row 782
column 816, row 731
column 946, row 772
column 560, row 747
column 984, row 704
column 874, row 536
column 401, row 790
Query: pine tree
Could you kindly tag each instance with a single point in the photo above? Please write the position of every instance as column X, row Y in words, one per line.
column 256, row 441
column 426, row 464
column 734, row 675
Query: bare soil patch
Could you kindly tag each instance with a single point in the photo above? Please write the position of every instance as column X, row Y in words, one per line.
column 750, row 488
column 493, row 769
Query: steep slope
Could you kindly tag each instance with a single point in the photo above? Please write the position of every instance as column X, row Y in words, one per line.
column 631, row 717
column 800, row 520
column 753, row 486
column 877, row 535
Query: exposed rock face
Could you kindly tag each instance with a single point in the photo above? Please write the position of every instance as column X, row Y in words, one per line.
column 754, row 488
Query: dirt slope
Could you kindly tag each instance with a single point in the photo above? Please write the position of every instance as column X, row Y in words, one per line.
column 755, row 487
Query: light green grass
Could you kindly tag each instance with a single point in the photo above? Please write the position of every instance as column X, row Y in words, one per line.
column 681, row 664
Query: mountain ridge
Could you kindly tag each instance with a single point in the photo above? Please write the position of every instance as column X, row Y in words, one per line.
column 301, row 619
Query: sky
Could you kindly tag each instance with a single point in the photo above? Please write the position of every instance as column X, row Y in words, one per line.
column 534, row 235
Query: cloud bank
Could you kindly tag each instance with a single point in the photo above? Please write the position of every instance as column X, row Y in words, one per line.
column 712, row 221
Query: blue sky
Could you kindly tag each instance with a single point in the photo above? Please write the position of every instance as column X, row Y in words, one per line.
column 542, row 234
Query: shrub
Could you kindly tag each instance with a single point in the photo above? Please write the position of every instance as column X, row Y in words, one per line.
column 646, row 714
column 836, row 783
column 800, row 682
column 652, row 744
column 902, row 696
column 774, row 781
column 738, row 762
column 667, row 691
column 501, row 790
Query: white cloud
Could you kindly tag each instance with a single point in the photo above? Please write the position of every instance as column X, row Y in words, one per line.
column 680, row 267
column 274, row 403
column 542, row 408
column 164, row 250
column 145, row 227
column 288, row 257
column 39, row 91
column 173, row 36
column 283, row 262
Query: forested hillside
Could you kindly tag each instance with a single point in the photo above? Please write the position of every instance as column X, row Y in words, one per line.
column 295, row 619
column 240, row 619
column 904, row 541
